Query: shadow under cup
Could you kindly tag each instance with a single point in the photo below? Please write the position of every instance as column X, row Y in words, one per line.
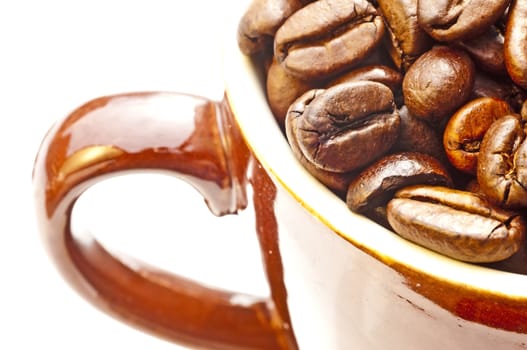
column 337, row 280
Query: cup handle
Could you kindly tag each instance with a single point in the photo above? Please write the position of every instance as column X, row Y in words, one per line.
column 188, row 136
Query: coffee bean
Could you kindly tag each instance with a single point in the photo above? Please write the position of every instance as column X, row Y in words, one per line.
column 375, row 185
column 451, row 20
column 336, row 181
column 487, row 51
column 516, row 42
column 501, row 88
column 406, row 39
column 455, row 223
column 502, row 163
column 438, row 83
column 346, row 126
column 260, row 22
column 465, row 130
column 418, row 136
column 283, row 89
column 327, row 37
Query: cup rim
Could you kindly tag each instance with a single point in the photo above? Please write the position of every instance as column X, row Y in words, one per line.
column 256, row 122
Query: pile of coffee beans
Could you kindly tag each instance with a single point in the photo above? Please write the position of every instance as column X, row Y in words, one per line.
column 412, row 111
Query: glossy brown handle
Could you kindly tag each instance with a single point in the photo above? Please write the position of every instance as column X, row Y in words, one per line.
column 189, row 136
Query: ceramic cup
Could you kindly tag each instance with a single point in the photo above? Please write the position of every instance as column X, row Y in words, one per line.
column 337, row 280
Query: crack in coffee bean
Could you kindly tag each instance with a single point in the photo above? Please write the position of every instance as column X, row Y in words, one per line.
column 342, row 123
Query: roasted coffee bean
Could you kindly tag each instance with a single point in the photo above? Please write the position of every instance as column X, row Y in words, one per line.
column 450, row 20
column 337, row 182
column 516, row 43
column 502, row 163
column 407, row 40
column 455, row 223
column 486, row 51
column 465, row 130
column 438, row 83
column 379, row 73
column 418, row 136
column 283, row 89
column 260, row 22
column 375, row 185
column 327, row 37
column 346, row 126
column 501, row 88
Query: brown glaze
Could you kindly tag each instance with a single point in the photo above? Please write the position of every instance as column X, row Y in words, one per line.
column 193, row 138
column 267, row 230
column 467, row 303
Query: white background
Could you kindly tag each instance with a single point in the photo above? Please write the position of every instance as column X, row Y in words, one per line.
column 55, row 55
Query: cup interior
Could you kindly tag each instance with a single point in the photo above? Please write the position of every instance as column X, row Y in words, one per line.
column 245, row 89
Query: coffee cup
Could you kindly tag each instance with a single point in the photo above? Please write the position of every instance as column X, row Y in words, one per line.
column 337, row 280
